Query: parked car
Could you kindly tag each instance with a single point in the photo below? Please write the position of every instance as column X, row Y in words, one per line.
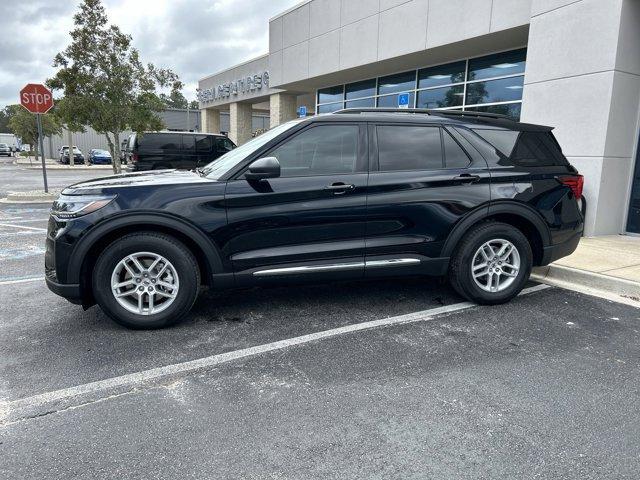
column 123, row 151
column 5, row 150
column 99, row 157
column 355, row 194
column 179, row 150
column 78, row 157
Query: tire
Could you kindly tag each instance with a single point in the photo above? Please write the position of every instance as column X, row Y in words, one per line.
column 182, row 269
column 468, row 255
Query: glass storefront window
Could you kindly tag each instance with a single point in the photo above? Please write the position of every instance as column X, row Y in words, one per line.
column 362, row 103
column 331, row 94
column 330, row 107
column 510, row 109
column 441, row 97
column 503, row 90
column 497, row 65
column 441, row 75
column 400, row 82
column 391, row 101
column 366, row 88
column 495, row 78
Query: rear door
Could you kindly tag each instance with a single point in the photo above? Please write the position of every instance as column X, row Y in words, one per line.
column 423, row 180
column 309, row 222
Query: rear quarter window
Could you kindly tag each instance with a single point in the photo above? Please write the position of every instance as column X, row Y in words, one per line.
column 528, row 149
column 159, row 141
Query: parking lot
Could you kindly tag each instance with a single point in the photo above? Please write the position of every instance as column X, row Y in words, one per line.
column 384, row 379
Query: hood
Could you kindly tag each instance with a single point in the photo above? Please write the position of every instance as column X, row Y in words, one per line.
column 129, row 180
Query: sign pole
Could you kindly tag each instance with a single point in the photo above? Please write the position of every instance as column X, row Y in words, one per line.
column 40, row 140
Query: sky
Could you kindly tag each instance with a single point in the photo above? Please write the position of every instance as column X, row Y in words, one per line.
column 194, row 38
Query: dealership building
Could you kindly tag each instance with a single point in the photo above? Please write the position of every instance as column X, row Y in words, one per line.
column 571, row 64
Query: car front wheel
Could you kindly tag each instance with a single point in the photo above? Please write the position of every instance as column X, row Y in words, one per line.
column 146, row 280
column 491, row 264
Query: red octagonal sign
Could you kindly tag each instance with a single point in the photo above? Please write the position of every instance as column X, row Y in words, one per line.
column 36, row 98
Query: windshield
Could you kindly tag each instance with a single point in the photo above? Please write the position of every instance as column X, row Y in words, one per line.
column 226, row 162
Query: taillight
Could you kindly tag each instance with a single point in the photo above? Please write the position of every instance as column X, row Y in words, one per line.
column 575, row 183
column 134, row 157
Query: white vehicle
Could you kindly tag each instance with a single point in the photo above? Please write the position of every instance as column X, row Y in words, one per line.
column 5, row 149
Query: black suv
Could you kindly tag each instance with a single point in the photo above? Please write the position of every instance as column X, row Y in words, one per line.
column 353, row 194
column 181, row 150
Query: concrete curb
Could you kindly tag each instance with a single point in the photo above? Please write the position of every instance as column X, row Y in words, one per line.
column 624, row 290
column 31, row 197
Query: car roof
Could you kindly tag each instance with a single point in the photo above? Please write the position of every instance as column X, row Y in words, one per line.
column 184, row 133
column 427, row 116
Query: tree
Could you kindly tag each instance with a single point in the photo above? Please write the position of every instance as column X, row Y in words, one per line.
column 24, row 124
column 106, row 85
column 174, row 100
column 5, row 116
column 194, row 105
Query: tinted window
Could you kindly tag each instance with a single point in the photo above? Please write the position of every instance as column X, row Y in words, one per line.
column 454, row 156
column 330, row 107
column 391, row 101
column 503, row 90
column 367, row 88
column 441, row 75
column 321, row 150
column 224, row 145
column 189, row 143
column 409, row 148
column 331, row 94
column 204, row 144
column 441, row 97
column 159, row 141
column 401, row 82
column 533, row 149
column 362, row 103
column 497, row 65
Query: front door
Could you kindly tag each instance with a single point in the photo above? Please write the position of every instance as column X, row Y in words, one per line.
column 309, row 222
column 422, row 182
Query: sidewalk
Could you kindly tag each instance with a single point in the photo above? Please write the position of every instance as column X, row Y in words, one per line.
column 36, row 164
column 608, row 263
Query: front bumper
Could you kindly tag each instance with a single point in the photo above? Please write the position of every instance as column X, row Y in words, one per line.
column 69, row 291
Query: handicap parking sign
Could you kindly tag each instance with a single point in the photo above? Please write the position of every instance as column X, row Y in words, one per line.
column 403, row 100
column 302, row 111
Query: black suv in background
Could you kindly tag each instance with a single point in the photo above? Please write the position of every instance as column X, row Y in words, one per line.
column 179, row 150
column 354, row 194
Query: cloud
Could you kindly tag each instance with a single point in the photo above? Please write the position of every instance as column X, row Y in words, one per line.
column 194, row 38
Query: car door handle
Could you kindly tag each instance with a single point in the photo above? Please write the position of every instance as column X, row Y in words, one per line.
column 467, row 178
column 339, row 188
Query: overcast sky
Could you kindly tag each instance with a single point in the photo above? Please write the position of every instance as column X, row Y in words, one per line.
column 192, row 37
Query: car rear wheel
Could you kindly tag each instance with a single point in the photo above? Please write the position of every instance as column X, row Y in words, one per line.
column 146, row 280
column 491, row 264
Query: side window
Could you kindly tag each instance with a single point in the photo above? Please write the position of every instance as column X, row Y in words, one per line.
column 188, row 143
column 159, row 141
column 454, row 155
column 402, row 147
column 533, row 149
column 204, row 143
column 224, row 145
column 321, row 150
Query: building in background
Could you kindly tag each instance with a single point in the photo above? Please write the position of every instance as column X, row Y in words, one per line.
column 572, row 64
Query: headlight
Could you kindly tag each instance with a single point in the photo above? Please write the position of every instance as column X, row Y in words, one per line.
column 73, row 206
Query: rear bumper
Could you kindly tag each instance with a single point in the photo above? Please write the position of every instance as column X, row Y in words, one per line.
column 69, row 291
column 564, row 249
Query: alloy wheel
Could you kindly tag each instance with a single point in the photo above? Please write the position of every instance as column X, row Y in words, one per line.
column 145, row 283
column 495, row 265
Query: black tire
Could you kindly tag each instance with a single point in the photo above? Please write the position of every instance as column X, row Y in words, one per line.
column 460, row 273
column 174, row 251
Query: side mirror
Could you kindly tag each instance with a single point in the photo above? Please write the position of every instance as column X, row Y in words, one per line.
column 267, row 167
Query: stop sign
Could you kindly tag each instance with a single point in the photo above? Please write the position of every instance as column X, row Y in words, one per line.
column 36, row 98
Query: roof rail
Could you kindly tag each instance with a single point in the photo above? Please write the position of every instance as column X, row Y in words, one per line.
column 428, row 111
column 384, row 110
column 470, row 113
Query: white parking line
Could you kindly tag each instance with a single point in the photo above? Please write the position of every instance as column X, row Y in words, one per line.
column 21, row 280
column 22, row 226
column 133, row 379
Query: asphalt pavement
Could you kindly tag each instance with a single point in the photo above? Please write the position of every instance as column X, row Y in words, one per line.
column 543, row 387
